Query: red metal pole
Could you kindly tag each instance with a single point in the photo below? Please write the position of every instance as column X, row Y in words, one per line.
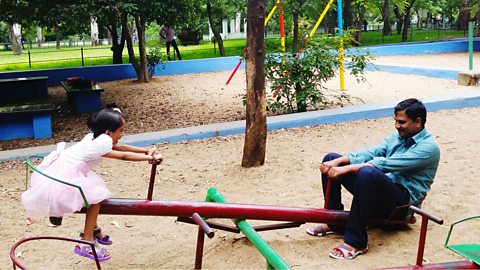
column 327, row 195
column 236, row 68
column 151, row 184
column 439, row 266
column 221, row 210
column 199, row 250
column 421, row 241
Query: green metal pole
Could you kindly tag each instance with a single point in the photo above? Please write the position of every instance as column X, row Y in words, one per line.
column 470, row 46
column 273, row 259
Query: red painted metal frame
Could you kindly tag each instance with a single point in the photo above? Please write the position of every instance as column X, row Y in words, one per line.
column 421, row 248
column 221, row 210
column 17, row 244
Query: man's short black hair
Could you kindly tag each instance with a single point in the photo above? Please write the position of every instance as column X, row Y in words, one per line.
column 413, row 108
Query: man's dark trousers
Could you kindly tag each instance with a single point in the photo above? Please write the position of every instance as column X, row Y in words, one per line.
column 373, row 193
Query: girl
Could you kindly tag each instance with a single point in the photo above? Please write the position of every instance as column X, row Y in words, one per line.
column 46, row 197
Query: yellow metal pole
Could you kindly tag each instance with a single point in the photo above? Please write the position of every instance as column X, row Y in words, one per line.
column 320, row 19
column 342, row 68
column 271, row 13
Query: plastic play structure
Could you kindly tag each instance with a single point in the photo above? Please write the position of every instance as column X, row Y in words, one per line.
column 215, row 206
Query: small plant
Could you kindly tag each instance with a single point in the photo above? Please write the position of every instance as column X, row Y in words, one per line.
column 154, row 58
column 297, row 83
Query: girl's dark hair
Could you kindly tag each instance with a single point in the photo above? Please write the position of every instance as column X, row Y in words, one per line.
column 413, row 108
column 103, row 121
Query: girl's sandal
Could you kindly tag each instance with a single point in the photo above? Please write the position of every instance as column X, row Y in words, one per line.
column 104, row 240
column 86, row 251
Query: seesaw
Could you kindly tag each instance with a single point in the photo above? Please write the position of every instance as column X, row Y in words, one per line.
column 217, row 207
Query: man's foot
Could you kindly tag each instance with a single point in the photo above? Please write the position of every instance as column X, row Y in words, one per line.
column 346, row 252
column 320, row 230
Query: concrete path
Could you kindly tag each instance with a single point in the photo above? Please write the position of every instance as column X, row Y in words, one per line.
column 338, row 115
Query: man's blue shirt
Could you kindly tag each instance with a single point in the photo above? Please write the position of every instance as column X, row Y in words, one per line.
column 411, row 162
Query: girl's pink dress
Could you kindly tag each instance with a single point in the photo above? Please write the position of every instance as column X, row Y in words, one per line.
column 46, row 197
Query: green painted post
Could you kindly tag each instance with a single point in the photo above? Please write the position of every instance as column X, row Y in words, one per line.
column 470, row 46
column 273, row 259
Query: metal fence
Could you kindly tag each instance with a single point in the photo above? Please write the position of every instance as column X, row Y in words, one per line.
column 86, row 55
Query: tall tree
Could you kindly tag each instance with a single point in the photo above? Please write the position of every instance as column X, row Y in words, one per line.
column 143, row 13
column 406, row 19
column 108, row 15
column 214, row 26
column 477, row 31
column 398, row 18
column 256, row 122
column 16, row 38
column 385, row 11
column 464, row 15
column 14, row 14
column 218, row 10
column 297, row 14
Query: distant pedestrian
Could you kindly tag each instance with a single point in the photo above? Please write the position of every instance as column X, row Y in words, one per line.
column 167, row 33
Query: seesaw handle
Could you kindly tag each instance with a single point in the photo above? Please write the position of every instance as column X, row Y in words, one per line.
column 151, row 184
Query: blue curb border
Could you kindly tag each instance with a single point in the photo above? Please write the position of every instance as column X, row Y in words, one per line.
column 419, row 71
column 314, row 118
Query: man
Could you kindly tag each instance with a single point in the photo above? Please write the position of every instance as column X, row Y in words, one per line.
column 395, row 172
column 167, row 33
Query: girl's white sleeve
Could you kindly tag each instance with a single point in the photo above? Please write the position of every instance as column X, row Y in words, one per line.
column 98, row 147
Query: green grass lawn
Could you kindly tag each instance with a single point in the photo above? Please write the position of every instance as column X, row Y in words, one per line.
column 101, row 55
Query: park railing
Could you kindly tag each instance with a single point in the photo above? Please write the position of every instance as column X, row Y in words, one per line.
column 102, row 55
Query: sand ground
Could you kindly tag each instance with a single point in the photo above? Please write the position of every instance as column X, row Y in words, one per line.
column 290, row 177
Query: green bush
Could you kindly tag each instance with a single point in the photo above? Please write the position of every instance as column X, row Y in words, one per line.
column 297, row 83
column 154, row 58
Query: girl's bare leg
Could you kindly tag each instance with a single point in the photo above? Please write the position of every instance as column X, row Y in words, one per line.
column 90, row 221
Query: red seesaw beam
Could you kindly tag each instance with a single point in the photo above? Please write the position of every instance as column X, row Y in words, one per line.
column 220, row 210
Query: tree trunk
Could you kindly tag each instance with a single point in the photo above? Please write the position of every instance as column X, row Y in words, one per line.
column 93, row 32
column 330, row 24
column 215, row 31
column 477, row 31
column 357, row 35
column 406, row 21
column 57, row 37
column 347, row 14
column 131, row 52
column 117, row 45
column 16, row 38
column 399, row 18
column 301, row 107
column 39, row 37
column 296, row 15
column 387, row 28
column 140, row 23
column 256, row 111
column 464, row 15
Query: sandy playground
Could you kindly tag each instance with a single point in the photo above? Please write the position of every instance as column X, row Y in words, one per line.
column 290, row 177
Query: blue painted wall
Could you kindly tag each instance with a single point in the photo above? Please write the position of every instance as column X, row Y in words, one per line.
column 126, row 71
column 413, row 48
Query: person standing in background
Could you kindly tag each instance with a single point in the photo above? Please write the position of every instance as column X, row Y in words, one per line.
column 167, row 33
